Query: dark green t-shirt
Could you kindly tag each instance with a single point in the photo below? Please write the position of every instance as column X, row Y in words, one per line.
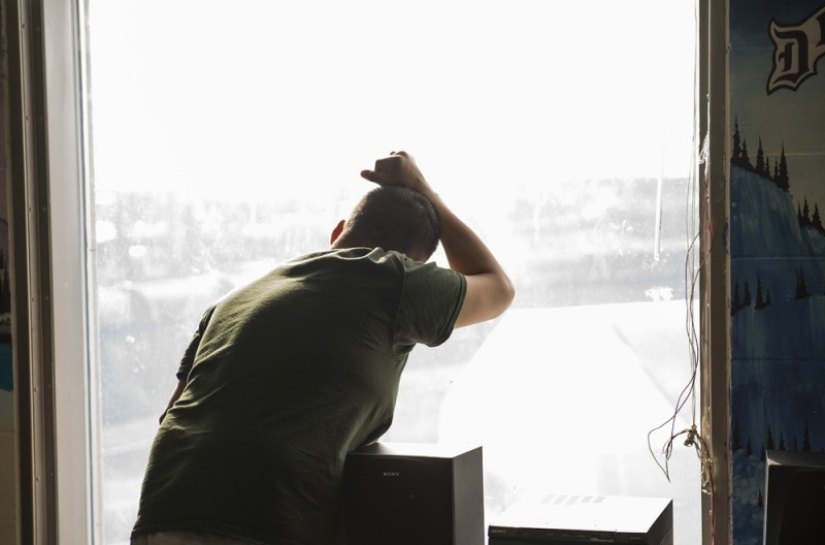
column 285, row 376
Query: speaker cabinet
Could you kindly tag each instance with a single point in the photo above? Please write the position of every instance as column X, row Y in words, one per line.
column 414, row 494
column 794, row 498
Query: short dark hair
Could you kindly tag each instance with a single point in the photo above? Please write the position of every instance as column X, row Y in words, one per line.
column 397, row 219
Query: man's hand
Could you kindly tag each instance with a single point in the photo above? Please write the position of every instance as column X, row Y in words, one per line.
column 398, row 168
column 175, row 395
column 489, row 290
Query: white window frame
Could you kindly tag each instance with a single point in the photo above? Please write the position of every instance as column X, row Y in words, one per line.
column 69, row 252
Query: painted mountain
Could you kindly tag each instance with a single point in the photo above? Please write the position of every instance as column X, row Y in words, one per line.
column 777, row 265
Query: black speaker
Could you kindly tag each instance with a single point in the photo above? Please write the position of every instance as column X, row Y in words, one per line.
column 414, row 494
column 794, row 498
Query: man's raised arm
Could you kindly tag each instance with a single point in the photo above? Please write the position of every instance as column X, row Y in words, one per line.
column 489, row 290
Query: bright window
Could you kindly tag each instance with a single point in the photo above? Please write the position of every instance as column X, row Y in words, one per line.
column 227, row 136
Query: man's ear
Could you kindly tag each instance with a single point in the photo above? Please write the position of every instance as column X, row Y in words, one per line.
column 336, row 232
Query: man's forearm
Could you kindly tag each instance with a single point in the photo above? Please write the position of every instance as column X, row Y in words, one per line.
column 465, row 250
column 489, row 289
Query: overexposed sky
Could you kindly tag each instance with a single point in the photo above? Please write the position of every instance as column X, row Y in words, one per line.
column 294, row 98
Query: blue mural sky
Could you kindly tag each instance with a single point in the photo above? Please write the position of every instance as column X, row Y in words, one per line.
column 793, row 118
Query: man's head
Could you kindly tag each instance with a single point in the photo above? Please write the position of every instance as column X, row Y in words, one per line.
column 393, row 218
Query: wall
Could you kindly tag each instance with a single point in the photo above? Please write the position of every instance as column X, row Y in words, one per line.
column 9, row 479
column 777, row 243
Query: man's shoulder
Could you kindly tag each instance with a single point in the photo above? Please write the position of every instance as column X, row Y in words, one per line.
column 343, row 256
column 365, row 261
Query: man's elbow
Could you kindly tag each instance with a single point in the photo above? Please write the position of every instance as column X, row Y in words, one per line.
column 487, row 297
column 500, row 296
column 507, row 293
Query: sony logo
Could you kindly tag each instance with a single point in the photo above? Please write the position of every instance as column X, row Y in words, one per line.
column 392, row 474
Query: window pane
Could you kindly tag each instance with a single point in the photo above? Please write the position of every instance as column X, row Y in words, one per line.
column 229, row 137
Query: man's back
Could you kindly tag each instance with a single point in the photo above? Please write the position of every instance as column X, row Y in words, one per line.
column 287, row 375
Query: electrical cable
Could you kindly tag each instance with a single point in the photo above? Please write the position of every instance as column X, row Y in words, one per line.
column 692, row 437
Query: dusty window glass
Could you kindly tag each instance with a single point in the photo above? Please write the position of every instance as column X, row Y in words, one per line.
column 227, row 137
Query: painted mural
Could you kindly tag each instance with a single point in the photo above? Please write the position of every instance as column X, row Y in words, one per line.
column 6, row 375
column 776, row 243
column 6, row 362
column 6, row 371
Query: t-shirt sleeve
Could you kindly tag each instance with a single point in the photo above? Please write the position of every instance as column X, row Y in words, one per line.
column 188, row 359
column 431, row 300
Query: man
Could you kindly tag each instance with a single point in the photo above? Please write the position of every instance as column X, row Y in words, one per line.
column 287, row 375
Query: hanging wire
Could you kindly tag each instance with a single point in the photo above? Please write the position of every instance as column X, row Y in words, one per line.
column 691, row 435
